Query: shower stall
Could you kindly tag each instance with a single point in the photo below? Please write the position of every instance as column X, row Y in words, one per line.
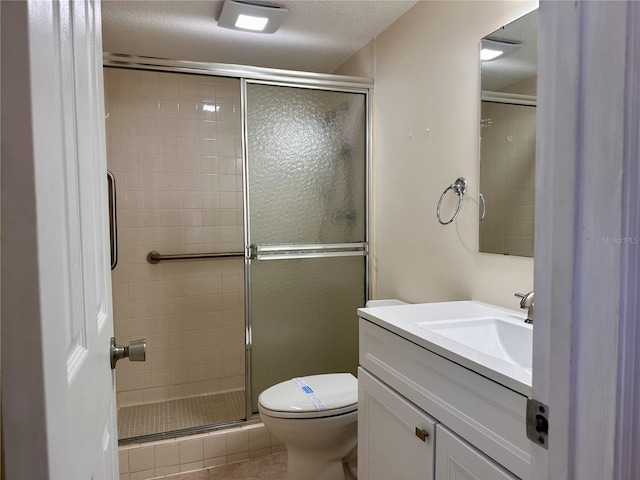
column 242, row 220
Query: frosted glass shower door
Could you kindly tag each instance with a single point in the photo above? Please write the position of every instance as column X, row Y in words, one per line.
column 306, row 156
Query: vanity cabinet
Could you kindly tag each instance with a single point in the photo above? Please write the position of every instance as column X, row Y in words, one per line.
column 478, row 424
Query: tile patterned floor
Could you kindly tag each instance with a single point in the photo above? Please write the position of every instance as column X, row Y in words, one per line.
column 138, row 420
column 270, row 467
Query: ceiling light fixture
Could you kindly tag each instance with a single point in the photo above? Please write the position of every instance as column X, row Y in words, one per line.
column 493, row 49
column 252, row 17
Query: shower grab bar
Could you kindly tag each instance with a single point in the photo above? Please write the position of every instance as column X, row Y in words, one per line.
column 156, row 257
column 113, row 220
column 459, row 187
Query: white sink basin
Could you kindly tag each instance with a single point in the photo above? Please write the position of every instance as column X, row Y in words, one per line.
column 492, row 341
column 493, row 336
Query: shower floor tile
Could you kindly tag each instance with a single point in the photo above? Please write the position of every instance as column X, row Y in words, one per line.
column 150, row 418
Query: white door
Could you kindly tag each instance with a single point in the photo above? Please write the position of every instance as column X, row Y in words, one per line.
column 586, row 337
column 59, row 415
column 395, row 439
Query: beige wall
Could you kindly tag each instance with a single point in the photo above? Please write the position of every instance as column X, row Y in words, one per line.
column 360, row 64
column 426, row 73
column 173, row 144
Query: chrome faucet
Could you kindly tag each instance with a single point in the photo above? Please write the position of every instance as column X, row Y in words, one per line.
column 527, row 303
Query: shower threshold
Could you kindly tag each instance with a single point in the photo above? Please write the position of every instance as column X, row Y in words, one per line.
column 154, row 420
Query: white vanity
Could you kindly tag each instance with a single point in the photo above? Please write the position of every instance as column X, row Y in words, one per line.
column 443, row 389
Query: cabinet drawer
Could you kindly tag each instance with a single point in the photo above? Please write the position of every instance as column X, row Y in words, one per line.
column 486, row 414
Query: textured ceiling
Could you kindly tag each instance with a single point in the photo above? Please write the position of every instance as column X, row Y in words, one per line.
column 519, row 65
column 317, row 36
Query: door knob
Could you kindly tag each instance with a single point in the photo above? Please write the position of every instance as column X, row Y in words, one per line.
column 135, row 352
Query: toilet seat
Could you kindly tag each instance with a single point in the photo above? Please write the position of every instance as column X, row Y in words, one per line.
column 314, row 396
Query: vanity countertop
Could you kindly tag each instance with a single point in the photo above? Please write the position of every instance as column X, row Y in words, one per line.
column 418, row 323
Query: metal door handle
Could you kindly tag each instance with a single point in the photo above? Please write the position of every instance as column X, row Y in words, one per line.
column 135, row 352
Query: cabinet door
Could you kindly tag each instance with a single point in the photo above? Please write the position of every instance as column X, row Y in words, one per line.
column 388, row 443
column 459, row 460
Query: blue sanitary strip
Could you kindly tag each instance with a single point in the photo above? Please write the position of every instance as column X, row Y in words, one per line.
column 308, row 391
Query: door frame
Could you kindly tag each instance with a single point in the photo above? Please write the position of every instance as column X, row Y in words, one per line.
column 586, row 251
column 22, row 356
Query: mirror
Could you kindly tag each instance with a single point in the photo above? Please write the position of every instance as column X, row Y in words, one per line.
column 508, row 138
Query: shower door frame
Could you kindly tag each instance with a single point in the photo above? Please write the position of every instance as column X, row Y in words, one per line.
column 276, row 77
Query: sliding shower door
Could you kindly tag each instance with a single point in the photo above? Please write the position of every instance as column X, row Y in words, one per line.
column 306, row 161
column 174, row 146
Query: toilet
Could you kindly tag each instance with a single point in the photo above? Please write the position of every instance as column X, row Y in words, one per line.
column 317, row 419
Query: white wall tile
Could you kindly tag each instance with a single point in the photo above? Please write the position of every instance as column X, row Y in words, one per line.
column 162, row 471
column 188, row 467
column 260, row 452
column 155, row 394
column 278, row 448
column 226, row 148
column 189, row 127
column 237, row 442
column 172, row 181
column 188, row 109
column 259, row 439
column 237, row 457
column 167, row 455
column 143, row 475
column 208, row 147
column 169, row 108
column 192, row 199
column 214, row 462
column 191, row 451
column 190, row 164
column 191, row 181
column 207, row 129
column 123, row 460
column 275, row 441
column 168, row 89
column 187, row 89
column 133, row 397
column 141, row 459
column 188, row 146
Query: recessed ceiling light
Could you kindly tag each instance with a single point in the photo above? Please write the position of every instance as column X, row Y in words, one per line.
column 489, row 54
column 251, row 23
column 252, row 17
column 493, row 49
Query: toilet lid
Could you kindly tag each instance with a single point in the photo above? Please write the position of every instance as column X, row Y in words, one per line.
column 315, row 395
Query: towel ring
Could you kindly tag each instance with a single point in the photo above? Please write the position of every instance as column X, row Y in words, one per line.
column 459, row 187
